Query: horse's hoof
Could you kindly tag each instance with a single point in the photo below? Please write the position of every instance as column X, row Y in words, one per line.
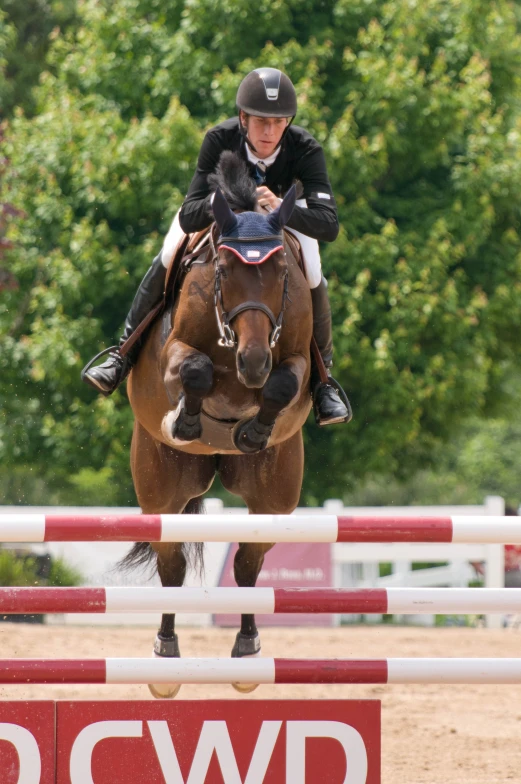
column 169, row 649
column 245, row 688
column 246, row 647
column 252, row 436
column 179, row 428
column 164, row 691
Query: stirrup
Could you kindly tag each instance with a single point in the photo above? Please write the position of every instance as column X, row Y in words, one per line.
column 342, row 395
column 332, row 382
column 95, row 359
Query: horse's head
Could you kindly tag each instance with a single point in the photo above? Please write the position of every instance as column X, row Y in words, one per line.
column 251, row 284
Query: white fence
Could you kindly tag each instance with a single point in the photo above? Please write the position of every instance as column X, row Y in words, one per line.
column 355, row 565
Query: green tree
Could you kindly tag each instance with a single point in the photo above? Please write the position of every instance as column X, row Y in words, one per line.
column 98, row 195
column 32, row 23
column 417, row 106
column 7, row 45
column 482, row 459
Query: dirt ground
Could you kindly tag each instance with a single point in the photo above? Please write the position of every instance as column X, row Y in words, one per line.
column 434, row 734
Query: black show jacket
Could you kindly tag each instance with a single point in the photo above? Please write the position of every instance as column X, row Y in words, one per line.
column 301, row 158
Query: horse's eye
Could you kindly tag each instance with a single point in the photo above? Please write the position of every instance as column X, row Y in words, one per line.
column 222, row 271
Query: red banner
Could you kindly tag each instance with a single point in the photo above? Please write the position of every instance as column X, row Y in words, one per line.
column 219, row 742
column 27, row 742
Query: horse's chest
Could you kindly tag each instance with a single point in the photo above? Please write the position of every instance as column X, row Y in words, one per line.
column 230, row 400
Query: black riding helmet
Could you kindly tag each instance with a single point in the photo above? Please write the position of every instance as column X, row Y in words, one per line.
column 267, row 92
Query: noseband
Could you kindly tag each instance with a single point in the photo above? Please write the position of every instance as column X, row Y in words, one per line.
column 228, row 337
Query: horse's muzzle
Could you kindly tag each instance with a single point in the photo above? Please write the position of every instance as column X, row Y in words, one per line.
column 254, row 366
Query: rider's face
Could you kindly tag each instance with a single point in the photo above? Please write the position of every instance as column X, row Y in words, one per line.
column 264, row 133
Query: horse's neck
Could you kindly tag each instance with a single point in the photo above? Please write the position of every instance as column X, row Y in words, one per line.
column 194, row 313
column 293, row 251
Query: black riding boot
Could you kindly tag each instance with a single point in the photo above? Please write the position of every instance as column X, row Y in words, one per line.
column 330, row 403
column 107, row 377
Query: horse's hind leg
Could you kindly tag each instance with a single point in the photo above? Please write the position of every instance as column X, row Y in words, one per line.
column 168, row 482
column 270, row 483
column 247, row 565
column 171, row 567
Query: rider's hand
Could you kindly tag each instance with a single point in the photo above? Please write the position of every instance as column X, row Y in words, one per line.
column 266, row 198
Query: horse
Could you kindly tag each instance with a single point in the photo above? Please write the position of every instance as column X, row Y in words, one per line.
column 227, row 393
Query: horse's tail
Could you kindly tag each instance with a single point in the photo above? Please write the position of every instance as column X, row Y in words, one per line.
column 142, row 554
column 194, row 551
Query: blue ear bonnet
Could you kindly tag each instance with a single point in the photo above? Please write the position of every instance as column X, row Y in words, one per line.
column 253, row 238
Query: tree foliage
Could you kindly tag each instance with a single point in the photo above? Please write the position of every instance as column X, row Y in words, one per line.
column 417, row 105
column 31, row 24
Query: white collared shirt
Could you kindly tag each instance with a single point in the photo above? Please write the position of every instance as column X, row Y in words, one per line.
column 266, row 161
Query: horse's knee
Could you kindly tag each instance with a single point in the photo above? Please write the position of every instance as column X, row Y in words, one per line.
column 280, row 388
column 196, row 373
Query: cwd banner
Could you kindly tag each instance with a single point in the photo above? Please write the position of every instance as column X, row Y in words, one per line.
column 218, row 742
column 196, row 742
column 287, row 565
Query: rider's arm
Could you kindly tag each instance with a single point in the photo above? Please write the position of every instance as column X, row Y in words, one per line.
column 196, row 213
column 319, row 220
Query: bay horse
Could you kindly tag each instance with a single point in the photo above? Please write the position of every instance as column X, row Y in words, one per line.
column 227, row 393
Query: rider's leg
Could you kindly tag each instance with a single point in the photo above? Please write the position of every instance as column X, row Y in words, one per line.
column 107, row 377
column 328, row 406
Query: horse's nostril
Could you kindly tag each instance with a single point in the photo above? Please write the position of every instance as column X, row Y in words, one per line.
column 240, row 363
column 267, row 364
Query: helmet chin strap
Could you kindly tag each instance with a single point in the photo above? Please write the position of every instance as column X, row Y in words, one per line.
column 244, row 132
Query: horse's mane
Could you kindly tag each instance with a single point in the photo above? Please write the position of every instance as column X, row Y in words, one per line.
column 234, row 180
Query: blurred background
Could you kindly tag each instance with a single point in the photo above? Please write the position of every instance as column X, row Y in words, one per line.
column 103, row 108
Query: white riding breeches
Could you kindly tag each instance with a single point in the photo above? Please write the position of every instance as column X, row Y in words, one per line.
column 310, row 253
column 173, row 238
column 310, row 250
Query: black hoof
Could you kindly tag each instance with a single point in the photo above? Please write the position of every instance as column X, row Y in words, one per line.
column 168, row 647
column 252, row 436
column 246, row 645
column 186, row 427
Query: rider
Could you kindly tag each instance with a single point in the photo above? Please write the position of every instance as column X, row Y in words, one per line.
column 278, row 153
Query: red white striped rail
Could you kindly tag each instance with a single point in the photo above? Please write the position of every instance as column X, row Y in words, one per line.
column 23, row 527
column 158, row 670
column 259, row 600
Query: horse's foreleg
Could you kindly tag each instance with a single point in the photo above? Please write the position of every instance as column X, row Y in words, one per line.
column 188, row 376
column 280, row 391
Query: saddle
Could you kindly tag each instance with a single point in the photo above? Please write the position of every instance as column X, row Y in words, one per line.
column 190, row 247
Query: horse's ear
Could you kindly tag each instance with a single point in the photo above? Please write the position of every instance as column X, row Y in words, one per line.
column 279, row 217
column 226, row 219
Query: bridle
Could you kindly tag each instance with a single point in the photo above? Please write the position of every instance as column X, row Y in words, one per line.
column 228, row 337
